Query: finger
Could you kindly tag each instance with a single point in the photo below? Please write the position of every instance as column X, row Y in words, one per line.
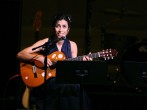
column 90, row 59
column 84, row 58
column 87, row 58
column 49, row 62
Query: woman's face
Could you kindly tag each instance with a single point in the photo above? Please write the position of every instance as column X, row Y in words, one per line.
column 61, row 28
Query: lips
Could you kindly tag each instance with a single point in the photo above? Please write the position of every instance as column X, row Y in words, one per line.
column 61, row 35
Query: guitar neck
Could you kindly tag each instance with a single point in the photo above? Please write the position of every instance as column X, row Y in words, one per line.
column 80, row 58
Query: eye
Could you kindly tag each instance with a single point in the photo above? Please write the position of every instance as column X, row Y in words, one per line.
column 64, row 26
column 57, row 25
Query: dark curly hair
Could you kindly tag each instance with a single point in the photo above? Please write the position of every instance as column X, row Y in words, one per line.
column 61, row 16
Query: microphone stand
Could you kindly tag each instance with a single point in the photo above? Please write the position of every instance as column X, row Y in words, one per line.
column 47, row 47
column 45, row 70
column 47, row 44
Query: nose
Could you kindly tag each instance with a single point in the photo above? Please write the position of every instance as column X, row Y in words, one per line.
column 60, row 28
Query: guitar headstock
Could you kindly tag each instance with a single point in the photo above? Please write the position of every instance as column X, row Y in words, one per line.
column 108, row 54
column 37, row 21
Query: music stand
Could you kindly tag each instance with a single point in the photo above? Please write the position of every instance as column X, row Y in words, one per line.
column 135, row 73
column 81, row 72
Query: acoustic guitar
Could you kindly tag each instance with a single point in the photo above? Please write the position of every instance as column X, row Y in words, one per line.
column 33, row 75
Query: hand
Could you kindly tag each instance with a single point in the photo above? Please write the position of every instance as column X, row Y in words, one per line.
column 39, row 61
column 87, row 57
column 49, row 62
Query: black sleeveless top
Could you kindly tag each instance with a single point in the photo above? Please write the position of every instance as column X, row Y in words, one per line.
column 66, row 48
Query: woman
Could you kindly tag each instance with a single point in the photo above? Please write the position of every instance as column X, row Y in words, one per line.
column 54, row 96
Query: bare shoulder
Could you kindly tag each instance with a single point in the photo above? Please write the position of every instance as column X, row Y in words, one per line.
column 39, row 43
column 73, row 43
column 43, row 40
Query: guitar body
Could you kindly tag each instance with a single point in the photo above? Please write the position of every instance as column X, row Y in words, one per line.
column 34, row 76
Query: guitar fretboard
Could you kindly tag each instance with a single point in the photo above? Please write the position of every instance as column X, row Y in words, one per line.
column 80, row 58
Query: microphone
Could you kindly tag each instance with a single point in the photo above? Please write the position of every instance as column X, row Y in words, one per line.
column 53, row 42
column 59, row 39
column 50, row 43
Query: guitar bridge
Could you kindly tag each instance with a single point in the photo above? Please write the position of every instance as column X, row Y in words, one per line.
column 34, row 71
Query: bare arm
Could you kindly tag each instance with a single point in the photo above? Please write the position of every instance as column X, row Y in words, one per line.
column 74, row 49
column 29, row 55
column 74, row 52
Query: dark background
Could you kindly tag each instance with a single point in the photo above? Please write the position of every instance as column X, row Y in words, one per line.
column 114, row 97
column 10, row 21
